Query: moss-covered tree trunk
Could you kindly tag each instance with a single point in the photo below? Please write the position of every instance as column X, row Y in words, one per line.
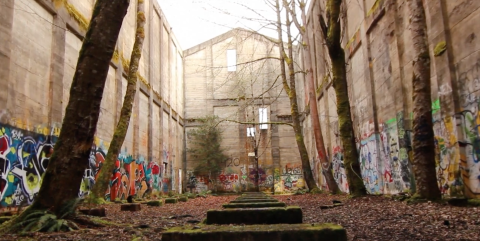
column 289, row 87
column 62, row 179
column 327, row 169
column 339, row 75
column 423, row 160
column 102, row 182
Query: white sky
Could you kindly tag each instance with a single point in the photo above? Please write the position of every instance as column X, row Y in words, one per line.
column 196, row 21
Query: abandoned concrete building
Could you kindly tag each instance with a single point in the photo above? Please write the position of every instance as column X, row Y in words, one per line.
column 40, row 44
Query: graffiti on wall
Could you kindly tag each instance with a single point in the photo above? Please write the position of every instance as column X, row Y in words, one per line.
column 447, row 158
column 197, row 183
column 339, row 169
column 469, row 127
column 230, row 182
column 24, row 157
column 396, row 172
column 369, row 164
column 291, row 178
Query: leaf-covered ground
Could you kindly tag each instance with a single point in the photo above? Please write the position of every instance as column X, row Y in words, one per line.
column 367, row 218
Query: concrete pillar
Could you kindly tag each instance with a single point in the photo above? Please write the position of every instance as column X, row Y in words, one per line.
column 150, row 78
column 56, row 73
column 6, row 23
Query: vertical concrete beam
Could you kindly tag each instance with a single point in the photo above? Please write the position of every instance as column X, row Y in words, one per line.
column 370, row 78
column 160, row 91
column 403, row 117
column 6, row 24
column 150, row 79
column 450, row 74
column 56, row 71
column 136, row 123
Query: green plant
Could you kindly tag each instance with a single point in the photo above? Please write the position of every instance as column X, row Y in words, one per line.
column 205, row 147
column 316, row 191
column 46, row 221
column 300, row 192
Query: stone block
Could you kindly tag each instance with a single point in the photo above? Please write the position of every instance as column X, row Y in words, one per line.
column 254, row 205
column 183, row 199
column 271, row 215
column 171, row 200
column 99, row 212
column 130, row 207
column 254, row 201
column 155, row 203
column 277, row 232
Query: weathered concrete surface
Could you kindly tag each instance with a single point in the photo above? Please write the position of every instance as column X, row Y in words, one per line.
column 254, row 205
column 211, row 89
column 378, row 44
column 275, row 215
column 254, row 200
column 171, row 200
column 278, row 232
column 131, row 207
column 38, row 56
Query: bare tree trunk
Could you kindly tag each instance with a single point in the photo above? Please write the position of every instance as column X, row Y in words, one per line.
column 423, row 161
column 101, row 184
column 61, row 181
column 317, row 129
column 337, row 55
column 291, row 91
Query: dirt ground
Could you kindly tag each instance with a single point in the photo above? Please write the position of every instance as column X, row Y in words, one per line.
column 367, row 218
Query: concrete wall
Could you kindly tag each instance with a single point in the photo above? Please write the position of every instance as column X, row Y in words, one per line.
column 40, row 44
column 379, row 53
column 210, row 89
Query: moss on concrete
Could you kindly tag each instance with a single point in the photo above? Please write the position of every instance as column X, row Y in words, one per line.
column 254, row 205
column 474, row 202
column 171, row 200
column 440, row 48
column 280, row 232
column 183, row 199
column 81, row 20
column 254, row 201
column 268, row 215
column 155, row 203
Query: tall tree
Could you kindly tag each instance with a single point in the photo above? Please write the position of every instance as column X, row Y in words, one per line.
column 317, row 129
column 205, row 148
column 423, row 160
column 66, row 167
column 288, row 80
column 332, row 33
column 101, row 184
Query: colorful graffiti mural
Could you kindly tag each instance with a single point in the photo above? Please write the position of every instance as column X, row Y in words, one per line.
column 339, row 169
column 469, row 120
column 369, row 164
column 24, row 157
column 290, row 179
column 230, row 182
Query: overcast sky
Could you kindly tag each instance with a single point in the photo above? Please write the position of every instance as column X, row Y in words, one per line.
column 196, row 21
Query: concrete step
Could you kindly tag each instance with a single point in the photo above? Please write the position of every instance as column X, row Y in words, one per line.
column 269, row 215
column 255, row 197
column 263, row 200
column 254, row 205
column 277, row 232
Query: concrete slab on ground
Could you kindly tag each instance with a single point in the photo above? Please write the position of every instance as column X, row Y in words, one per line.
column 270, row 215
column 277, row 232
